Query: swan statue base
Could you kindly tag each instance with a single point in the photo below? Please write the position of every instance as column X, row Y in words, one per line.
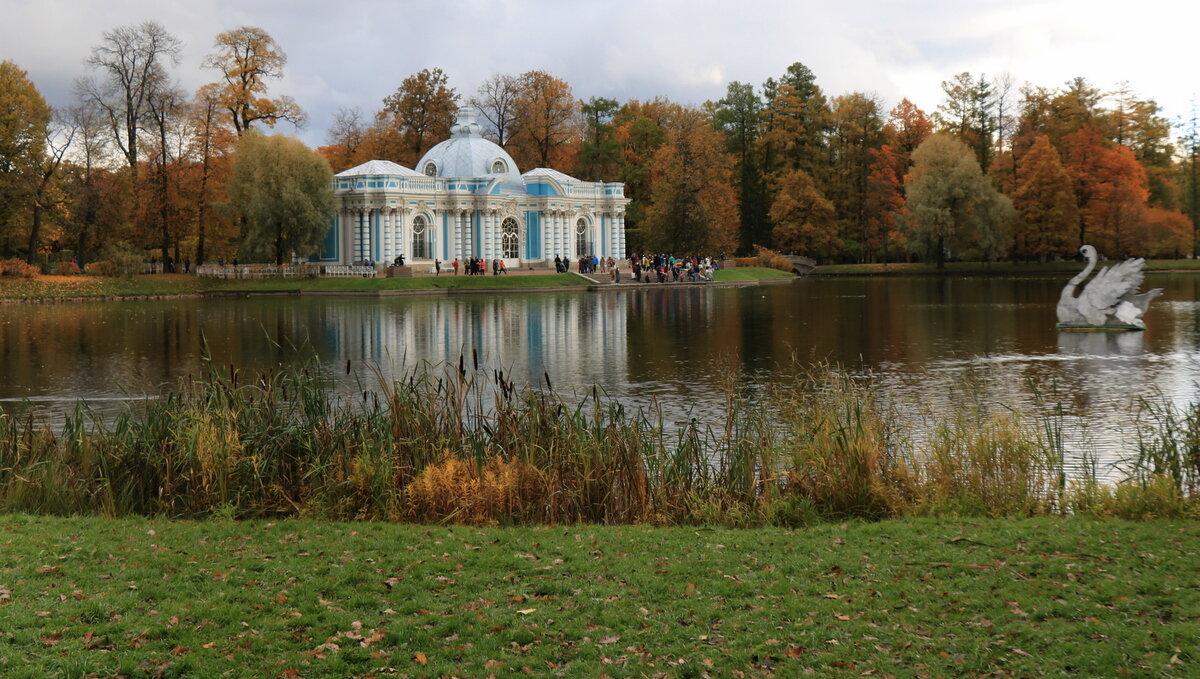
column 1109, row 302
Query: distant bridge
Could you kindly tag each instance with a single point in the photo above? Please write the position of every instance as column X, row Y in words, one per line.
column 801, row 264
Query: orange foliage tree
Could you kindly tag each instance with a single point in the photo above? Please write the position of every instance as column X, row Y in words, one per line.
column 1045, row 205
column 1110, row 189
column 803, row 218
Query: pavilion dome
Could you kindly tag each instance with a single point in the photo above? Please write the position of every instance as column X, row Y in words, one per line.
column 466, row 154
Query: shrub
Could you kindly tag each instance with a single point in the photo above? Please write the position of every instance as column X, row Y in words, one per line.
column 19, row 268
column 745, row 261
column 67, row 268
column 118, row 259
column 769, row 258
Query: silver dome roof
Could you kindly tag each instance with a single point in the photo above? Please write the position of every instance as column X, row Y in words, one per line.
column 466, row 154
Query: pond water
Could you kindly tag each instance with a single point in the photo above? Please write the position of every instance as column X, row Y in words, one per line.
column 922, row 337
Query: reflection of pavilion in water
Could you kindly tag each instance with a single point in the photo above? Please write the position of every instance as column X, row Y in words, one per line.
column 576, row 339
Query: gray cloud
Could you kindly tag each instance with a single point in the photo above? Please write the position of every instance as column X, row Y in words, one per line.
column 356, row 53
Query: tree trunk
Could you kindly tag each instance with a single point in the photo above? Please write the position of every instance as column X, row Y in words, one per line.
column 941, row 252
column 34, row 232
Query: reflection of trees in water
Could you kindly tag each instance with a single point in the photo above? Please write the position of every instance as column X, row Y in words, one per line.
column 672, row 343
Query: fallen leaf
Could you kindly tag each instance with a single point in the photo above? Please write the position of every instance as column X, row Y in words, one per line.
column 420, row 658
column 609, row 639
column 526, row 611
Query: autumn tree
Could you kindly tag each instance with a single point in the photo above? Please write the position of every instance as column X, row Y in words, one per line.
column 132, row 62
column 693, row 207
column 345, row 140
column 795, row 121
column 739, row 116
column 885, row 200
column 496, row 101
column 1045, row 205
column 545, row 121
column 417, row 115
column 248, row 58
column 42, row 192
column 1110, row 190
column 952, row 205
column 24, row 122
column 210, row 148
column 856, row 130
column 803, row 218
column 907, row 127
column 640, row 130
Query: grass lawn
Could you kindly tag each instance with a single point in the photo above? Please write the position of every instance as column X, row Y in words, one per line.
column 989, row 269
column 159, row 598
column 66, row 287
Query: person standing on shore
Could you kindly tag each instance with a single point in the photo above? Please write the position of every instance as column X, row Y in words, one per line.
column 454, row 266
column 437, row 267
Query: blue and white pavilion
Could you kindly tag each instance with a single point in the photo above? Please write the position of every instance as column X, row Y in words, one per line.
column 468, row 199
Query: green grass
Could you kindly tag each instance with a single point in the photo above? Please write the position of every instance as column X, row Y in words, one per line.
column 986, row 269
column 756, row 273
column 68, row 287
column 137, row 598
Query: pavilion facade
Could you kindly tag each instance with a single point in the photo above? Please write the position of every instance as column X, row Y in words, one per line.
column 469, row 199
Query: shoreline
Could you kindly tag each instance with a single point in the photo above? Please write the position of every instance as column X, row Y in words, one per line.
column 156, row 287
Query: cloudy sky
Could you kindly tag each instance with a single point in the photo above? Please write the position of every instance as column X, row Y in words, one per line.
column 354, row 53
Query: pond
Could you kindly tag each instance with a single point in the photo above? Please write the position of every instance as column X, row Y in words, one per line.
column 924, row 338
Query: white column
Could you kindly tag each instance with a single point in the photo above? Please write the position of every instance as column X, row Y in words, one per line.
column 457, row 240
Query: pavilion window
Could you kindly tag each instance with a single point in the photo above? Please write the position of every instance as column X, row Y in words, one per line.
column 420, row 238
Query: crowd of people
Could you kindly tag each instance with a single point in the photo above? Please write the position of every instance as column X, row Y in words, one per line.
column 478, row 266
column 662, row 268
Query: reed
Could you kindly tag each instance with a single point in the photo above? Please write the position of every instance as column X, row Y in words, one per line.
column 455, row 443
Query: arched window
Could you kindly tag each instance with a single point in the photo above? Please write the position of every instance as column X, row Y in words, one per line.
column 583, row 245
column 509, row 241
column 498, row 167
column 420, row 238
column 430, row 169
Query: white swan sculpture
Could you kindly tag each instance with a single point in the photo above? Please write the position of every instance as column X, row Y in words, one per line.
column 1110, row 301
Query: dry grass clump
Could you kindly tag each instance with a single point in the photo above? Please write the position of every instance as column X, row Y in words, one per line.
column 456, row 490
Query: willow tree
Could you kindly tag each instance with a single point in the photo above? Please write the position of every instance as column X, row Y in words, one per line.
column 284, row 192
column 952, row 205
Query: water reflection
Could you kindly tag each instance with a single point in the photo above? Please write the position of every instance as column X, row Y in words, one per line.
column 930, row 341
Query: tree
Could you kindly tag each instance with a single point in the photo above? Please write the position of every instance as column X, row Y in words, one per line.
column 803, row 218
column 24, row 122
column 496, row 101
column 907, row 127
column 58, row 139
column 1045, row 204
column 131, row 60
column 419, row 114
column 951, row 204
column 693, row 208
column 346, row 138
column 210, row 146
column 284, row 191
column 739, row 115
column 885, row 199
column 545, row 120
column 247, row 58
column 599, row 154
column 856, row 130
column 967, row 114
column 641, row 129
column 796, row 119
column 1110, row 190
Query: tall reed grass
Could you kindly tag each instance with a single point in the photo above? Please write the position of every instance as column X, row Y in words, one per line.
column 455, row 443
